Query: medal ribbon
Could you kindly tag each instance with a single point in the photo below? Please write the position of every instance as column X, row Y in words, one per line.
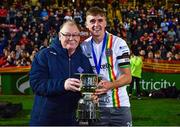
column 98, row 64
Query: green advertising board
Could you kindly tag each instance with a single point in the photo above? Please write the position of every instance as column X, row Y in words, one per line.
column 155, row 81
column 18, row 83
column 15, row 83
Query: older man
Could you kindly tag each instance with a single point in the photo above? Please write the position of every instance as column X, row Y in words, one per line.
column 52, row 79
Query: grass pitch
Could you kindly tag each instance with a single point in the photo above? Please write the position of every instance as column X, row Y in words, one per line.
column 145, row 112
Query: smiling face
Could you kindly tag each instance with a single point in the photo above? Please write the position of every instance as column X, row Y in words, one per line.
column 96, row 23
column 69, row 36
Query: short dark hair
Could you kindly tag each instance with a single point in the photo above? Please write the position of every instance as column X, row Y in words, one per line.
column 95, row 11
column 136, row 52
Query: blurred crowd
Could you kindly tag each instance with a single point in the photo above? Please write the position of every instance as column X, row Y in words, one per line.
column 26, row 28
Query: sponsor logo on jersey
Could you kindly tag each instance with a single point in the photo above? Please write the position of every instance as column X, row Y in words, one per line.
column 108, row 52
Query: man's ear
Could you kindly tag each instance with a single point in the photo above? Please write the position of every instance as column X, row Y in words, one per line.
column 59, row 35
column 105, row 23
column 86, row 24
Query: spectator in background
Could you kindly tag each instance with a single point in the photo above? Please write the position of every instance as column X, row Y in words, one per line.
column 136, row 71
column 3, row 43
column 163, row 51
column 177, row 56
column 164, row 25
column 150, row 57
column 51, row 78
column 13, row 38
column 34, row 3
column 12, row 15
column 178, row 32
column 23, row 40
column 142, row 53
column 171, row 36
column 157, row 55
column 44, row 14
column 45, row 44
column 3, row 59
column 68, row 14
column 32, row 55
column 169, row 56
column 3, row 14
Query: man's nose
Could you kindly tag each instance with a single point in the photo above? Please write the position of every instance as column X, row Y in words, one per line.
column 96, row 23
column 71, row 37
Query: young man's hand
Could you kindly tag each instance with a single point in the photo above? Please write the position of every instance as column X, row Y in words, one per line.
column 103, row 87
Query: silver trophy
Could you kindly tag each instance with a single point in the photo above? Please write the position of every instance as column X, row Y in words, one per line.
column 88, row 111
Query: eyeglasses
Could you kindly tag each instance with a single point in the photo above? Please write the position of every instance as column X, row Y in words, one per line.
column 68, row 35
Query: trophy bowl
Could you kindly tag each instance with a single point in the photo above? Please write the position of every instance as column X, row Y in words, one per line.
column 88, row 83
column 87, row 111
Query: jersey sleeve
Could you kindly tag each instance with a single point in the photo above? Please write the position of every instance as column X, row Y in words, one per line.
column 122, row 53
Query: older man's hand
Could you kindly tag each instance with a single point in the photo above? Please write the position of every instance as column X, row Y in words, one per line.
column 72, row 84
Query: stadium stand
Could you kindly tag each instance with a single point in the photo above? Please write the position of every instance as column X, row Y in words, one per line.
column 28, row 26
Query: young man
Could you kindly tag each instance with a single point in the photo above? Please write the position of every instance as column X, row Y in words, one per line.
column 51, row 78
column 109, row 57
